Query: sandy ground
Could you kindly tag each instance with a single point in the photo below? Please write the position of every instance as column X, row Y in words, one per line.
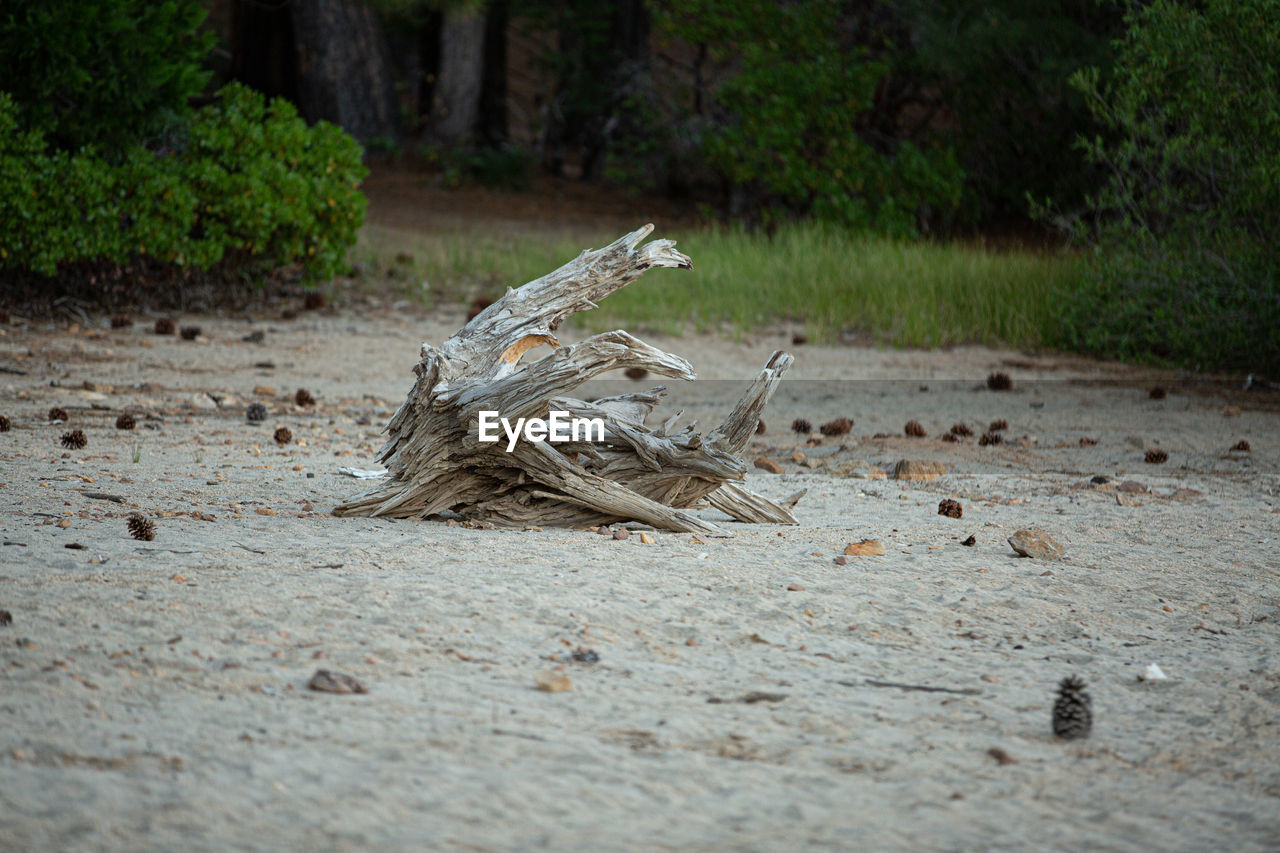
column 153, row 695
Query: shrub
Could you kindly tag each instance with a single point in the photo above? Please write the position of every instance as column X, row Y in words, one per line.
column 248, row 188
column 108, row 73
column 1185, row 230
column 788, row 129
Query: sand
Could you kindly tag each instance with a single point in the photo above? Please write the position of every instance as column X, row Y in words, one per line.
column 153, row 695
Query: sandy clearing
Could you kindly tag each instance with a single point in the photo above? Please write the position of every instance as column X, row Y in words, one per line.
column 153, row 693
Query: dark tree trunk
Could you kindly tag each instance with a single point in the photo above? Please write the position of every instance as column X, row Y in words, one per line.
column 459, row 83
column 344, row 72
column 263, row 53
column 492, row 128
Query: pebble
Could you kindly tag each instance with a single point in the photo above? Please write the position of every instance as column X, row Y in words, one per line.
column 1132, row 487
column 865, row 548
column 918, row 470
column 842, row 560
column 1036, row 544
column 550, row 681
column 795, row 587
column 327, row 681
column 764, row 463
column 620, row 534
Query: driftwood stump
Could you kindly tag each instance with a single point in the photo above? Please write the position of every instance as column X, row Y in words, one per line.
column 436, row 462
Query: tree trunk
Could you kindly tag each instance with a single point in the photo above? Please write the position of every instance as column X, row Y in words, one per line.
column 460, row 81
column 344, row 72
column 438, row 461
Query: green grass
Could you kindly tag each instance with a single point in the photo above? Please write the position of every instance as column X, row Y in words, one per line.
column 900, row 293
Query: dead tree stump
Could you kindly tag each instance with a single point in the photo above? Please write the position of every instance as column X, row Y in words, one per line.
column 436, row 462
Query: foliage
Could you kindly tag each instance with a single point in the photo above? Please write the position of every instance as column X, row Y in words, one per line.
column 1001, row 73
column 1185, row 230
column 788, row 129
column 249, row 188
column 108, row 73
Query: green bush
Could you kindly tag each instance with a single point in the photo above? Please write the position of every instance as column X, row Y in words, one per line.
column 788, row 126
column 248, row 188
column 109, row 73
column 1185, row 232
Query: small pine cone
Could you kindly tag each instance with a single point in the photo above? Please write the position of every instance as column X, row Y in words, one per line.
column 313, row 301
column 121, row 321
column 1072, row 712
column 303, row 398
column 74, row 440
column 283, row 436
column 165, row 326
column 256, row 412
column 141, row 527
column 801, row 426
column 950, row 437
column 126, row 421
column 1240, row 446
column 989, row 438
column 950, row 508
column 961, row 430
column 996, row 426
column 636, row 373
column 1157, row 393
column 190, row 333
column 57, row 413
column 760, row 427
column 914, row 429
column 999, row 382
column 5, row 426
column 1085, row 441
column 1156, row 457
column 840, row 426
column 799, row 339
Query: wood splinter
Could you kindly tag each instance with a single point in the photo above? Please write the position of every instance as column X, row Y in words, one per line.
column 436, row 463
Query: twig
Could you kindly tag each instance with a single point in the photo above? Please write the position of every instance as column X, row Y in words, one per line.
column 247, row 548
column 103, row 496
column 923, row 688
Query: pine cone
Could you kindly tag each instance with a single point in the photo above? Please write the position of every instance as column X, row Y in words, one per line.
column 313, row 301
column 57, row 413
column 1156, row 457
column 801, row 426
column 840, row 426
column 165, row 326
column 1240, row 446
column 914, row 429
column 121, row 321
column 636, row 373
column 304, row 398
column 999, row 382
column 126, row 421
column 990, row 438
column 141, row 527
column 1157, row 393
column 190, row 333
column 961, row 430
column 256, row 412
column 950, row 436
column 74, row 440
column 1072, row 713
column 950, row 508
column 1085, row 441
column 5, row 426
column 283, row 436
column 760, row 428
column 996, row 426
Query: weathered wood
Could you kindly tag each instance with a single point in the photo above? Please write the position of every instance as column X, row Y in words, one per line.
column 436, row 463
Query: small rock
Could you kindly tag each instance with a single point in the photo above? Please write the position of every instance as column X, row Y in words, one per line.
column 1123, row 499
column 970, row 542
column 550, row 681
column 264, row 390
column 201, row 401
column 64, row 523
column 842, row 561
column 766, row 464
column 1036, row 544
column 328, row 681
column 620, row 533
column 1001, row 756
column 797, row 457
column 917, row 470
column 1132, row 487
column 865, row 548
column 795, row 587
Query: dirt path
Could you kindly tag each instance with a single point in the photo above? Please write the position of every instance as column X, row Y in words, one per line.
column 154, row 694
